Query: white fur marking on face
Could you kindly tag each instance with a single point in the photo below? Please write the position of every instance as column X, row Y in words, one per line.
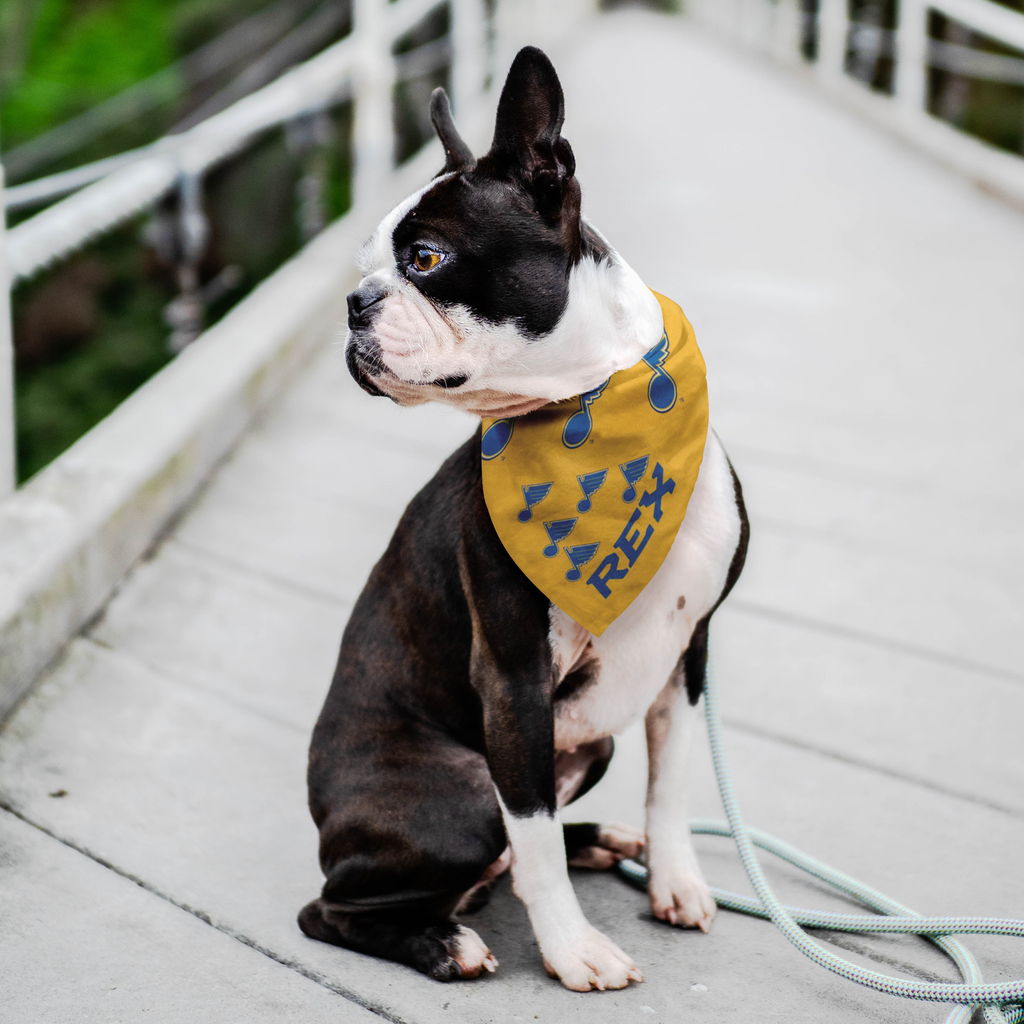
column 377, row 253
column 611, row 319
column 572, row 948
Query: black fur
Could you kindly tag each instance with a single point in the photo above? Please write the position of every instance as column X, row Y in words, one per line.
column 443, row 684
column 445, row 688
column 579, row 837
column 508, row 223
column 406, row 716
column 457, row 155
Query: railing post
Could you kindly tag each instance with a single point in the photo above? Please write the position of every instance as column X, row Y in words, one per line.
column 833, row 26
column 6, row 361
column 184, row 314
column 372, row 134
column 756, row 24
column 912, row 57
column 306, row 136
column 786, row 31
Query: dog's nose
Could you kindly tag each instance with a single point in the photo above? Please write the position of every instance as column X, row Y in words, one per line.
column 362, row 303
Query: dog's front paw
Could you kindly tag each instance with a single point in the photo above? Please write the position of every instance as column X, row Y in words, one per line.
column 465, row 956
column 590, row 961
column 681, row 897
column 614, row 841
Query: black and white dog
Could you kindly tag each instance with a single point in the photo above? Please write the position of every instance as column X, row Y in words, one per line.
column 466, row 709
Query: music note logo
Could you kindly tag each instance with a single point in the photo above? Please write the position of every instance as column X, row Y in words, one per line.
column 661, row 389
column 533, row 494
column 590, row 484
column 579, row 425
column 557, row 531
column 633, row 471
column 579, row 555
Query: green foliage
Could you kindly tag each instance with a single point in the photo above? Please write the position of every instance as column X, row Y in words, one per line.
column 73, row 55
column 59, row 399
column 58, row 58
column 85, row 342
column 91, row 330
column 995, row 112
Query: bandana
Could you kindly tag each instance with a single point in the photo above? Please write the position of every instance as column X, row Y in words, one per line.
column 587, row 495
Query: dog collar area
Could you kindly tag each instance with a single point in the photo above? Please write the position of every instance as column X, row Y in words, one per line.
column 587, row 495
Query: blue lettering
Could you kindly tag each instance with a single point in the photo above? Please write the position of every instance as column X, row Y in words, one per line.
column 661, row 488
column 607, row 570
column 627, row 544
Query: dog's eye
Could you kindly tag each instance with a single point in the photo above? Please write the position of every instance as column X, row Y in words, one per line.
column 426, row 259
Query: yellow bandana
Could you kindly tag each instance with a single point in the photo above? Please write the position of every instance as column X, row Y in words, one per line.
column 587, row 495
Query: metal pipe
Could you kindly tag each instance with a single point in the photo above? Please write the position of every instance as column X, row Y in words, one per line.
column 6, row 363
column 912, row 57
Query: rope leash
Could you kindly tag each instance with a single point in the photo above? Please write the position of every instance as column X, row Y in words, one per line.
column 998, row 1000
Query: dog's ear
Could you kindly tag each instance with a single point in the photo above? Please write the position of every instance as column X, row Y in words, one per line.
column 457, row 155
column 526, row 132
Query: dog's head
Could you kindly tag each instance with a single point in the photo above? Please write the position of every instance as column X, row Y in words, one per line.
column 486, row 289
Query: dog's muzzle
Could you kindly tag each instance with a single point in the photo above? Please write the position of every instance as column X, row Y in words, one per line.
column 363, row 359
column 362, row 353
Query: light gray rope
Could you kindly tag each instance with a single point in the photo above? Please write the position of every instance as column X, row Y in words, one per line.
column 997, row 999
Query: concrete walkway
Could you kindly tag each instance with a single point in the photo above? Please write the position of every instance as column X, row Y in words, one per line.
column 862, row 315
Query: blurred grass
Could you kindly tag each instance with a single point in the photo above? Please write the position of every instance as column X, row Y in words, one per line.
column 58, row 400
column 75, row 55
column 90, row 330
column 250, row 201
column 58, row 58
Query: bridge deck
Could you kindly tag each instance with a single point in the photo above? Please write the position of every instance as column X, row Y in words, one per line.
column 860, row 310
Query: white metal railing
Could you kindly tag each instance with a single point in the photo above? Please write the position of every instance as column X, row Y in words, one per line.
column 139, row 179
column 154, row 170
column 778, row 28
column 71, row 533
column 360, row 67
column 6, row 371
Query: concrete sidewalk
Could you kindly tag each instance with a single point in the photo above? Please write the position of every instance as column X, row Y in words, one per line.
column 862, row 317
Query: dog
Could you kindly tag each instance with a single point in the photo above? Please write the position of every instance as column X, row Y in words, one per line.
column 466, row 708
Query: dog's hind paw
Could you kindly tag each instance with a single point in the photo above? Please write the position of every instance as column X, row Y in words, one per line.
column 467, row 957
column 592, row 961
column 682, row 898
column 614, row 842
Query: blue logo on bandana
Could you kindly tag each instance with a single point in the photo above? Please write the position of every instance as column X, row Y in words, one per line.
column 496, row 438
column 633, row 471
column 533, row 494
column 590, row 484
column 557, row 532
column 579, row 555
column 579, row 425
column 661, row 390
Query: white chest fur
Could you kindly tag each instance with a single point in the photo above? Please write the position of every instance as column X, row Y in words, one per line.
column 621, row 672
